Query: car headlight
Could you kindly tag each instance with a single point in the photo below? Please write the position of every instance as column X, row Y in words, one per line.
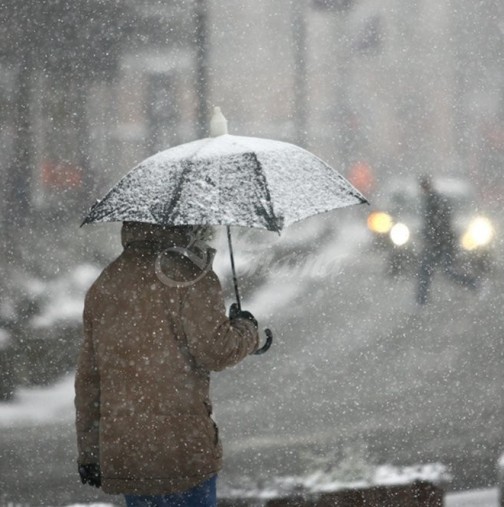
column 379, row 222
column 479, row 233
column 400, row 234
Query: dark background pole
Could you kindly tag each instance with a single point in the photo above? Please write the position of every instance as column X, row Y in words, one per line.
column 201, row 41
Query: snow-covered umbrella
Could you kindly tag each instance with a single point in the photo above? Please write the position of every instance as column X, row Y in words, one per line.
column 227, row 180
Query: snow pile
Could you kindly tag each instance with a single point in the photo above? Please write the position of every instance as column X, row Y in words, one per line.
column 285, row 266
column 436, row 473
column 40, row 405
column 501, row 461
column 91, row 505
column 327, row 482
column 5, row 339
column 64, row 297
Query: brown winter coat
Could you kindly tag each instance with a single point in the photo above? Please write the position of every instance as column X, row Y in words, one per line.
column 142, row 382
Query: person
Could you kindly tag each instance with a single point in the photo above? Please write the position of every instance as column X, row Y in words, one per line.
column 143, row 413
column 439, row 242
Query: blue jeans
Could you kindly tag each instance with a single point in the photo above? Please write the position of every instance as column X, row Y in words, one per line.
column 201, row 495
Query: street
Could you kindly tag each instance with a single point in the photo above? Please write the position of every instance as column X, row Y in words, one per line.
column 355, row 370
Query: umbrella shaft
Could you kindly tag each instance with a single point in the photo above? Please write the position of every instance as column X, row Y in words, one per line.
column 233, row 269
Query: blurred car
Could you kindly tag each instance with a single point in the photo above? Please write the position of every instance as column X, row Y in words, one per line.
column 396, row 225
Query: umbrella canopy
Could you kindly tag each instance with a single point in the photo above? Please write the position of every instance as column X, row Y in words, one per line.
column 227, row 180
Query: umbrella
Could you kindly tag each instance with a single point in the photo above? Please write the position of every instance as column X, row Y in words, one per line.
column 227, row 180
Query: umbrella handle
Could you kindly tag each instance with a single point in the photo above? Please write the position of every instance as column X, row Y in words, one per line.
column 269, row 334
column 267, row 345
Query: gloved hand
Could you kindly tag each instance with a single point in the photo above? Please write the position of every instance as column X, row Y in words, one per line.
column 90, row 474
column 236, row 313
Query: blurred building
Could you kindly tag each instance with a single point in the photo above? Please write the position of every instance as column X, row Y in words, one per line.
column 393, row 86
column 425, row 78
column 404, row 87
column 86, row 92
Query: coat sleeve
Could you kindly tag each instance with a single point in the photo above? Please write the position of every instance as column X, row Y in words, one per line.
column 87, row 396
column 213, row 340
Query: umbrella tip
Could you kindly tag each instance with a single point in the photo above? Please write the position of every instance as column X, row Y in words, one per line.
column 218, row 123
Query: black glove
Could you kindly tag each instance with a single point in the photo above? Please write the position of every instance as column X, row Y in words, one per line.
column 90, row 474
column 236, row 313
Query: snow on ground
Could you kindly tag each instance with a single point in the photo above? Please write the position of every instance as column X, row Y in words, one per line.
column 285, row 281
column 40, row 405
column 91, row 505
column 65, row 296
column 325, row 482
column 327, row 262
